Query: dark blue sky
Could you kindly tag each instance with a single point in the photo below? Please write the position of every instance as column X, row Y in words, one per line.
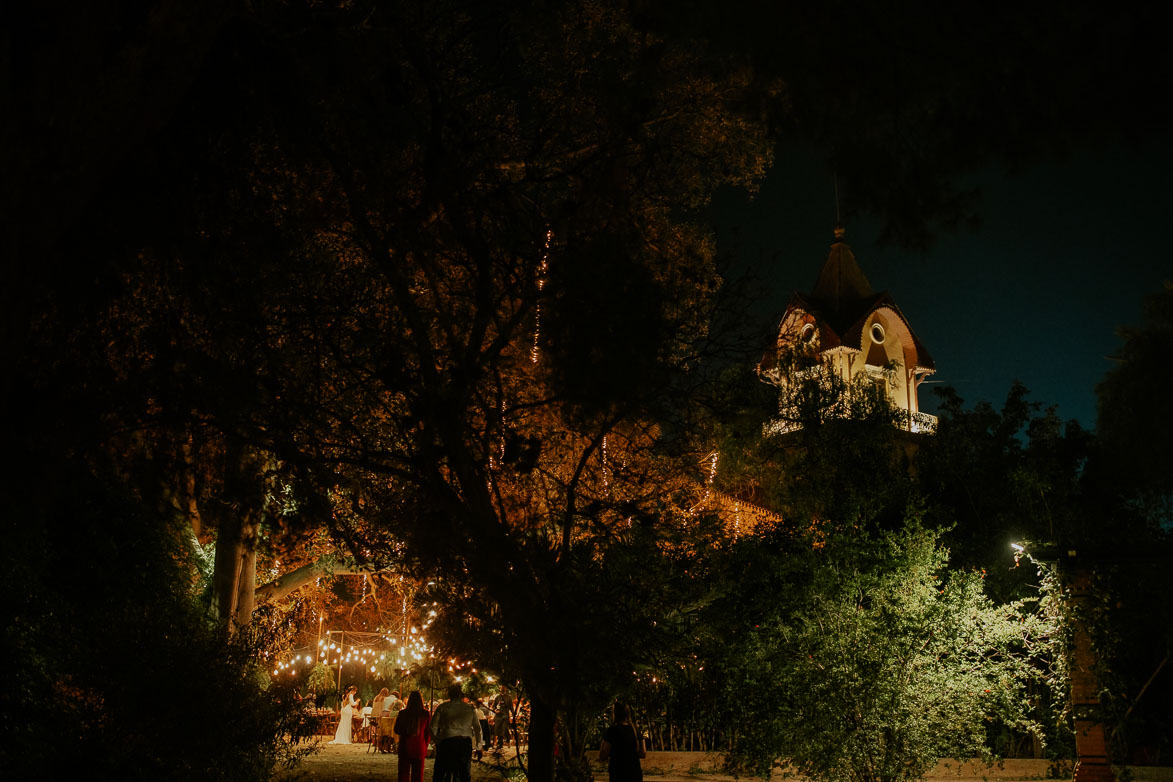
column 1063, row 255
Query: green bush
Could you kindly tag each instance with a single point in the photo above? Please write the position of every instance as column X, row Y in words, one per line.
column 113, row 667
column 883, row 663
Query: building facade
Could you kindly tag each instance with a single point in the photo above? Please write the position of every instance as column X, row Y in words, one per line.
column 845, row 331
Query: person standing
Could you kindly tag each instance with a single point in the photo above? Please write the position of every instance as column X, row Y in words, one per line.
column 502, row 717
column 411, row 726
column 622, row 748
column 483, row 719
column 350, row 702
column 457, row 730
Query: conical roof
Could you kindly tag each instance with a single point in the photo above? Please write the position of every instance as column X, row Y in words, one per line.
column 843, row 299
column 841, row 285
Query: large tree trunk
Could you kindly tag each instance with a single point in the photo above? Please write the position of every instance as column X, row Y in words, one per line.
column 541, row 741
column 246, row 573
column 234, row 577
column 224, row 568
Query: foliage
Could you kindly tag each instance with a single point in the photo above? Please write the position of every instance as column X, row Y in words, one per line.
column 1017, row 474
column 447, row 263
column 112, row 665
column 814, row 448
column 1130, row 624
column 996, row 477
column 1131, row 398
column 320, row 679
column 1131, row 628
column 880, row 662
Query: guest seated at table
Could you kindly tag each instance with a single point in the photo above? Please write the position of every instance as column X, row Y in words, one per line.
column 377, row 703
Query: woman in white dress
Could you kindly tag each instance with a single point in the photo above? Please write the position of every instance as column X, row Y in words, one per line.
column 349, row 704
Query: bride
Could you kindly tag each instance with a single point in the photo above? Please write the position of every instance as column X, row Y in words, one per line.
column 349, row 703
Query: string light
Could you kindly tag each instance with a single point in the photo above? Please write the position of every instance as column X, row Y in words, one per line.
column 413, row 649
column 543, row 267
column 606, row 480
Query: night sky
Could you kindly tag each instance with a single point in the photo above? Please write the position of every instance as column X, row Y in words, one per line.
column 1062, row 256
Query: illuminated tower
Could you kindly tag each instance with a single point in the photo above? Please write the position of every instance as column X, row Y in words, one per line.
column 845, row 329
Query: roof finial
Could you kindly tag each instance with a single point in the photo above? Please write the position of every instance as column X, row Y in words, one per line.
column 840, row 231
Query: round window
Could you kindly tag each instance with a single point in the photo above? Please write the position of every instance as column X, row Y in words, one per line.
column 808, row 333
column 877, row 332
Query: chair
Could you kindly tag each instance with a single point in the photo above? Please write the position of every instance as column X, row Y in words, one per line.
column 385, row 735
column 373, row 735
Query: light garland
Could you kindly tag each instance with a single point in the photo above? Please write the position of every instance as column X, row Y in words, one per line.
column 368, row 650
column 606, row 480
column 543, row 267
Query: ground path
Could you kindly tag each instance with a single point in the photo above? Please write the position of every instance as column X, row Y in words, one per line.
column 353, row 763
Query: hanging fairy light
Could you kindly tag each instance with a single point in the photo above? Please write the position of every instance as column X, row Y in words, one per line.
column 543, row 267
column 606, row 478
column 712, row 474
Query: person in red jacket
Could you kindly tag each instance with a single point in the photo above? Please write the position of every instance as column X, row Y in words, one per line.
column 411, row 726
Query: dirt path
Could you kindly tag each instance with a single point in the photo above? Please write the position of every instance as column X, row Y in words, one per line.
column 351, row 763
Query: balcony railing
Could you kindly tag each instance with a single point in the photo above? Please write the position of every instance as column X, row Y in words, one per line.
column 922, row 423
column 917, row 423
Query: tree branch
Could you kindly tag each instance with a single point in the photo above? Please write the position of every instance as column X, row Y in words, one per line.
column 295, row 579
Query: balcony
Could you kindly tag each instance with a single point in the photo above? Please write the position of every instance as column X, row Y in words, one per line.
column 922, row 423
column 917, row 423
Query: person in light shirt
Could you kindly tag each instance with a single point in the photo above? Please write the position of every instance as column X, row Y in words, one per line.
column 393, row 704
column 483, row 719
column 457, row 730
